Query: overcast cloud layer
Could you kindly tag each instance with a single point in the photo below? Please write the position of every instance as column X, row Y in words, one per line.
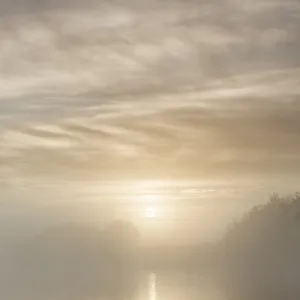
column 195, row 89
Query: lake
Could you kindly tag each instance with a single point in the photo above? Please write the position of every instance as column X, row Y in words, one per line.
column 168, row 285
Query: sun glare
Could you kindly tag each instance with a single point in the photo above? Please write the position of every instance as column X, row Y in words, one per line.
column 151, row 213
column 150, row 198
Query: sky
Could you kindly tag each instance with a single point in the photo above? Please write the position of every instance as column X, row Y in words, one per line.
column 184, row 89
column 178, row 90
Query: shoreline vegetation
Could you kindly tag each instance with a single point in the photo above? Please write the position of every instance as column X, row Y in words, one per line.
column 259, row 257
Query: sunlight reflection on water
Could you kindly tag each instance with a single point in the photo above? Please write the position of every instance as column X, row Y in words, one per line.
column 152, row 286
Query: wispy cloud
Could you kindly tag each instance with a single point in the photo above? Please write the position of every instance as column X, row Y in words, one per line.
column 135, row 88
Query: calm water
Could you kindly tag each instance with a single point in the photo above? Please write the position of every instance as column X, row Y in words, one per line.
column 174, row 286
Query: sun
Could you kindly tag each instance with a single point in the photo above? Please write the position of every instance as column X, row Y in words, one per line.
column 151, row 213
column 150, row 199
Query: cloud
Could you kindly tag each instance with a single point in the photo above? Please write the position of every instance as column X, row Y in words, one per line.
column 9, row 8
column 256, row 134
column 68, row 52
column 136, row 88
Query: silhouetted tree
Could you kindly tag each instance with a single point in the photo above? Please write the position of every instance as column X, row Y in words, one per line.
column 261, row 253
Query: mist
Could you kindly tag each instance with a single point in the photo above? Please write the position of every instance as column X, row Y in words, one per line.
column 185, row 109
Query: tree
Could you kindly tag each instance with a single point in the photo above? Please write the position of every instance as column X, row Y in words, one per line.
column 261, row 253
